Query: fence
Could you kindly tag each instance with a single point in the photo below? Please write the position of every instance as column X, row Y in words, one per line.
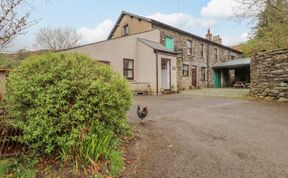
column 8, row 141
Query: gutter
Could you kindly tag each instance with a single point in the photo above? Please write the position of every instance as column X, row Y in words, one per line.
column 231, row 66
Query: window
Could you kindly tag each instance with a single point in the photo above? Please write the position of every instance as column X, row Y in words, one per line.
column 169, row 43
column 126, row 30
column 163, row 65
column 203, row 73
column 189, row 47
column 128, row 69
column 202, row 50
column 216, row 53
column 233, row 57
column 185, row 70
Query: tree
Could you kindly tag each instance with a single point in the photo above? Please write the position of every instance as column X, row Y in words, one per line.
column 12, row 22
column 271, row 28
column 57, row 39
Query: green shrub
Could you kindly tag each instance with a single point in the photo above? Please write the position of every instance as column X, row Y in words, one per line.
column 60, row 100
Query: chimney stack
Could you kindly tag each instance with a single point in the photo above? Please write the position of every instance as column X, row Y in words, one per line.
column 217, row 39
column 209, row 35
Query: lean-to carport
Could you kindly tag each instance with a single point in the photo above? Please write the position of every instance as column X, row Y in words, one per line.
column 226, row 74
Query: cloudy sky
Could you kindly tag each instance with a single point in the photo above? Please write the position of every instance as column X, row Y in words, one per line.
column 94, row 19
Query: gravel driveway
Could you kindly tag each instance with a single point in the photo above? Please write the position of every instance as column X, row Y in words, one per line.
column 201, row 136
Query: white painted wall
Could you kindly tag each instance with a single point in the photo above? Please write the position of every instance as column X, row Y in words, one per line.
column 129, row 47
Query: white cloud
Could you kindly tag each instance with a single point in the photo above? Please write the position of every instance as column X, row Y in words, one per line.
column 183, row 21
column 234, row 40
column 219, row 8
column 229, row 8
column 99, row 33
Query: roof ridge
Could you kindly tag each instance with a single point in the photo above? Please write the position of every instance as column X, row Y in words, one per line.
column 174, row 28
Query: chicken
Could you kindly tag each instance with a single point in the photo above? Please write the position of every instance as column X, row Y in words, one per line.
column 142, row 113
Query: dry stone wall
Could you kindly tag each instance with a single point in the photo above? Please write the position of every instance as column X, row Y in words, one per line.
column 269, row 75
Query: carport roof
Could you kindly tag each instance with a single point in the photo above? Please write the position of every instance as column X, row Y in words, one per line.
column 157, row 46
column 234, row 63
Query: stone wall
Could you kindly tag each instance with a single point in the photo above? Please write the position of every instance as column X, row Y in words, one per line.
column 269, row 75
column 196, row 59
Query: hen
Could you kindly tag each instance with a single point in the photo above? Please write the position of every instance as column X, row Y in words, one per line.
column 142, row 113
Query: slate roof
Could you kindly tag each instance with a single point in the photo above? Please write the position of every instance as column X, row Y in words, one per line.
column 157, row 46
column 167, row 27
column 234, row 63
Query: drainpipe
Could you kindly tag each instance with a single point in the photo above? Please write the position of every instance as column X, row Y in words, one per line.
column 157, row 87
column 208, row 65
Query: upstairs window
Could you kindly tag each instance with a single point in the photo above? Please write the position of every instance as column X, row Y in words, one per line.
column 202, row 50
column 128, row 69
column 233, row 57
column 125, row 30
column 189, row 47
column 185, row 70
column 203, row 73
column 169, row 43
column 216, row 53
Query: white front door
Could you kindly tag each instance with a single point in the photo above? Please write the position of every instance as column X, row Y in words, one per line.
column 165, row 74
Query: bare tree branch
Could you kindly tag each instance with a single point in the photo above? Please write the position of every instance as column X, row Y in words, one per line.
column 11, row 23
column 57, row 39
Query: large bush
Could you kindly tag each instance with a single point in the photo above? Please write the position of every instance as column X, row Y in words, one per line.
column 58, row 99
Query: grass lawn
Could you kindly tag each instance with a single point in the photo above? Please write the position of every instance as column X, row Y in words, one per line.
column 3, row 167
column 223, row 92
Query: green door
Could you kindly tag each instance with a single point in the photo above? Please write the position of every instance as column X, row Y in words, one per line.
column 217, row 78
column 169, row 43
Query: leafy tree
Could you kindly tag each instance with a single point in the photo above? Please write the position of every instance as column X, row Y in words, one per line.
column 271, row 30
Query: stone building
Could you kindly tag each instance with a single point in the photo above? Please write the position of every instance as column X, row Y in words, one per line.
column 196, row 55
column 157, row 58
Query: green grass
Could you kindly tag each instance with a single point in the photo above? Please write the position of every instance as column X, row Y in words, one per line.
column 222, row 92
column 11, row 168
column 28, row 173
column 117, row 163
column 4, row 167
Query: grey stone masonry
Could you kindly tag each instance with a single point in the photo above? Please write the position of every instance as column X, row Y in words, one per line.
column 269, row 75
column 197, row 59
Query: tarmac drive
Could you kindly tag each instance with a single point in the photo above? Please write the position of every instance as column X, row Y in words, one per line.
column 199, row 136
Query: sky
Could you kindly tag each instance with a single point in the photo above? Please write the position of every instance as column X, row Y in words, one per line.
column 94, row 19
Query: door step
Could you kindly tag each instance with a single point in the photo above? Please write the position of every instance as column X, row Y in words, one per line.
column 169, row 92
